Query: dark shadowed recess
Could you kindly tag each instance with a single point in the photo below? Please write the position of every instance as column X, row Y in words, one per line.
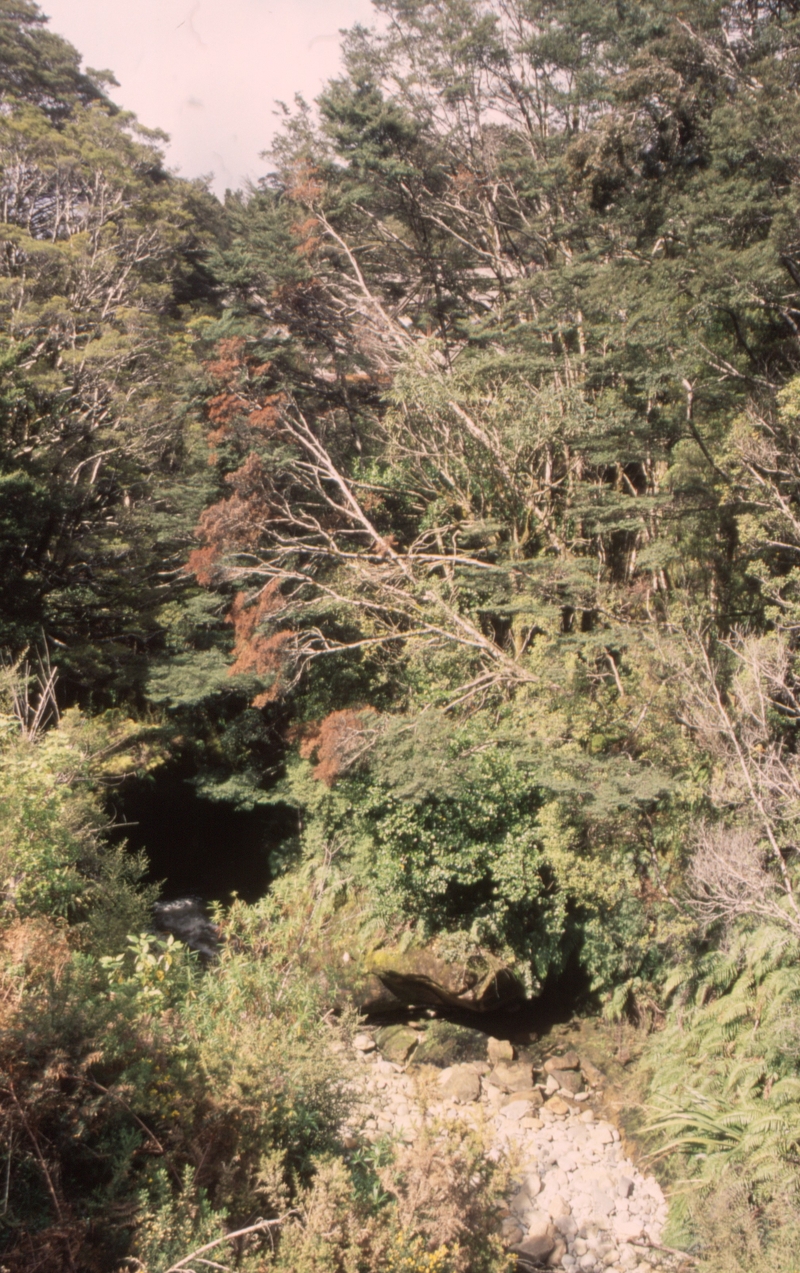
column 198, row 847
column 563, row 996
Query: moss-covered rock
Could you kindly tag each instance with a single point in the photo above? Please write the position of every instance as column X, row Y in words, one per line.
column 446, row 1044
column 397, row 1042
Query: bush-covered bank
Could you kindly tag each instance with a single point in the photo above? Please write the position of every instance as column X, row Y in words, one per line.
column 723, row 1107
column 150, row 1106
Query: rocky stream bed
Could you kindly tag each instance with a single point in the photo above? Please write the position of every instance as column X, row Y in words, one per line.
column 578, row 1202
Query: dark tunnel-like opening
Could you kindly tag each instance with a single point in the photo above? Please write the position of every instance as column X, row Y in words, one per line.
column 196, row 846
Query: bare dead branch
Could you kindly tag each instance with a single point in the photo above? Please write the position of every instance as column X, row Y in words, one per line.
column 261, row 1226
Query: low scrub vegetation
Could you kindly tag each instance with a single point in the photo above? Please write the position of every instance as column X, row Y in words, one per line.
column 151, row 1106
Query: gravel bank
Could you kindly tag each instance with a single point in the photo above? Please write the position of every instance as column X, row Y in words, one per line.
column 578, row 1202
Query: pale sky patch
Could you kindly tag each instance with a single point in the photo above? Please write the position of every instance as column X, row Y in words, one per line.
column 209, row 71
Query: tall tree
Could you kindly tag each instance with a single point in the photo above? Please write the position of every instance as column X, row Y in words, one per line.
column 100, row 252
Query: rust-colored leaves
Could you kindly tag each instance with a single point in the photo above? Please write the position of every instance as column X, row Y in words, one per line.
column 338, row 741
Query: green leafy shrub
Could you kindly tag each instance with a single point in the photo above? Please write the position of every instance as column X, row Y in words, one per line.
column 470, row 861
column 458, row 838
column 54, row 857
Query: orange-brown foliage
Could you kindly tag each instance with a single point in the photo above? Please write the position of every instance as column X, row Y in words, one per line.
column 338, row 741
column 265, row 656
column 465, row 182
column 308, row 240
column 246, row 614
column 232, row 525
column 371, row 501
column 229, row 525
column 266, row 414
column 235, row 372
column 304, row 184
column 204, row 564
column 229, row 360
column 224, row 407
column 274, row 656
column 249, row 481
column 226, row 369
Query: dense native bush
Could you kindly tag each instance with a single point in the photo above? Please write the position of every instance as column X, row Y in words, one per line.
column 461, row 833
column 725, row 1100
column 139, row 1096
column 53, row 856
column 499, row 368
column 140, row 1092
column 150, row 1106
column 442, row 1220
column 469, row 861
